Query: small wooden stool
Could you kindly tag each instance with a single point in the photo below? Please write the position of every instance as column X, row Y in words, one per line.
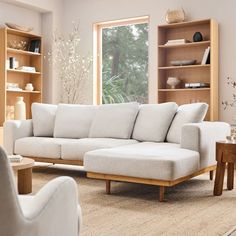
column 24, row 174
column 225, row 153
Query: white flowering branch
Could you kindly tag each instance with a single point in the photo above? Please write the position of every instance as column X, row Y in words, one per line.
column 72, row 68
column 232, row 102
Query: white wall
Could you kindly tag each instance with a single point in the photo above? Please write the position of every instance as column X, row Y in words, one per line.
column 20, row 16
column 91, row 11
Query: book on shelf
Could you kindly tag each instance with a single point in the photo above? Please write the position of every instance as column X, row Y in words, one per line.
column 27, row 69
column 197, row 85
column 206, row 56
column 15, row 158
column 177, row 41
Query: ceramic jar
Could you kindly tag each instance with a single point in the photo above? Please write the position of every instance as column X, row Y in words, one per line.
column 29, row 87
column 173, row 82
column 19, row 109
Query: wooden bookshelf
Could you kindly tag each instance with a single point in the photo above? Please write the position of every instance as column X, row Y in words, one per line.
column 190, row 73
column 25, row 58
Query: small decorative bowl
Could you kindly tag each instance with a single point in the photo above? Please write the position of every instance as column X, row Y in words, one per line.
column 173, row 82
column 183, row 62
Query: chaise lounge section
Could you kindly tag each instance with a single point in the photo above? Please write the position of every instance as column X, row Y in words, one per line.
column 161, row 164
column 157, row 144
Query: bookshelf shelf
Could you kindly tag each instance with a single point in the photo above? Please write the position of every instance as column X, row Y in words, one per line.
column 22, row 91
column 187, row 45
column 183, row 67
column 23, row 72
column 17, row 51
column 183, row 89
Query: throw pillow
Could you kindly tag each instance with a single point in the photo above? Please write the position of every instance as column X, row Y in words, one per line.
column 153, row 121
column 43, row 117
column 188, row 113
column 114, row 121
column 73, row 121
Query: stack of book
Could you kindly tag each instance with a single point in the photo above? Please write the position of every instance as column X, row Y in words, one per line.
column 15, row 158
column 206, row 56
column 197, row 85
column 176, row 41
column 27, row 68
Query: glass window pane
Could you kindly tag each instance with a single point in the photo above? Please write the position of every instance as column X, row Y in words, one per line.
column 125, row 64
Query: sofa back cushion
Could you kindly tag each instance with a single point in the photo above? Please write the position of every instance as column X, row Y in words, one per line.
column 73, row 121
column 188, row 113
column 153, row 121
column 114, row 121
column 43, row 117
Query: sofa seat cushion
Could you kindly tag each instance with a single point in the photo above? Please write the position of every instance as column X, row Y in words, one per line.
column 39, row 147
column 75, row 150
column 162, row 161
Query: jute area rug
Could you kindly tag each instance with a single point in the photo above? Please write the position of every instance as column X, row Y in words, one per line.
column 133, row 209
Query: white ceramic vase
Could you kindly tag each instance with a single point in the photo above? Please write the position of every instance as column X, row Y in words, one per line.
column 19, row 111
column 29, row 87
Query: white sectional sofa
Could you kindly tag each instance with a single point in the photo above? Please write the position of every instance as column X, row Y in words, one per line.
column 157, row 144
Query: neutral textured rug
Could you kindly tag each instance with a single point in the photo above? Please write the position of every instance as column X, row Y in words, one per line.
column 133, row 209
column 231, row 232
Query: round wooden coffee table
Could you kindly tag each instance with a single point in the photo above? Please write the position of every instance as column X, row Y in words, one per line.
column 24, row 174
column 225, row 154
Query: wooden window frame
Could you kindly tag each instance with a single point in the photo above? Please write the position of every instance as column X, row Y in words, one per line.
column 97, row 51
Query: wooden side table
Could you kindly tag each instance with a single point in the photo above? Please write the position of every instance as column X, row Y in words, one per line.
column 225, row 154
column 24, row 175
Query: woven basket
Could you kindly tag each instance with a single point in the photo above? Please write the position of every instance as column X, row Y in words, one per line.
column 175, row 16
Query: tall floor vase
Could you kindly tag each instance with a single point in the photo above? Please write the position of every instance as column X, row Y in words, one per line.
column 20, row 111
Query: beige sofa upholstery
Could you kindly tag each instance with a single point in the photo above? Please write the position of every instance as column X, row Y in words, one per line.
column 162, row 161
column 61, row 148
column 161, row 142
column 54, row 210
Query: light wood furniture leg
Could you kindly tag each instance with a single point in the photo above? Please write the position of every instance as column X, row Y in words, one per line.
column 24, row 180
column 230, row 176
column 211, row 174
column 108, row 187
column 161, row 193
column 220, row 171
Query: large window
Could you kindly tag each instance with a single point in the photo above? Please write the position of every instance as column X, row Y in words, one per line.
column 122, row 65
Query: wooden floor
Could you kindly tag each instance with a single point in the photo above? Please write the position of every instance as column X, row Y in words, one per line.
column 133, row 209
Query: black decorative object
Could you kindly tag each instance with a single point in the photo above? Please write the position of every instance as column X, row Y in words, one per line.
column 12, row 62
column 197, row 37
column 35, row 46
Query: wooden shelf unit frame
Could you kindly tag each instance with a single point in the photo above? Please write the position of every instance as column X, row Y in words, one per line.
column 193, row 73
column 25, row 58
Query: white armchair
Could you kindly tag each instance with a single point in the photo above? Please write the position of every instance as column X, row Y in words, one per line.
column 53, row 211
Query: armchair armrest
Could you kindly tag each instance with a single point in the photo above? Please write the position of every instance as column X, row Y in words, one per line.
column 54, row 208
column 13, row 130
column 201, row 137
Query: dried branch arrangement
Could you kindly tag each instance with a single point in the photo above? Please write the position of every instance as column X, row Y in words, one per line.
column 71, row 68
column 232, row 102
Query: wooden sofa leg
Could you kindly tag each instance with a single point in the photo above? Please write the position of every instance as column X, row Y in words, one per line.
column 161, row 193
column 108, row 187
column 211, row 174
